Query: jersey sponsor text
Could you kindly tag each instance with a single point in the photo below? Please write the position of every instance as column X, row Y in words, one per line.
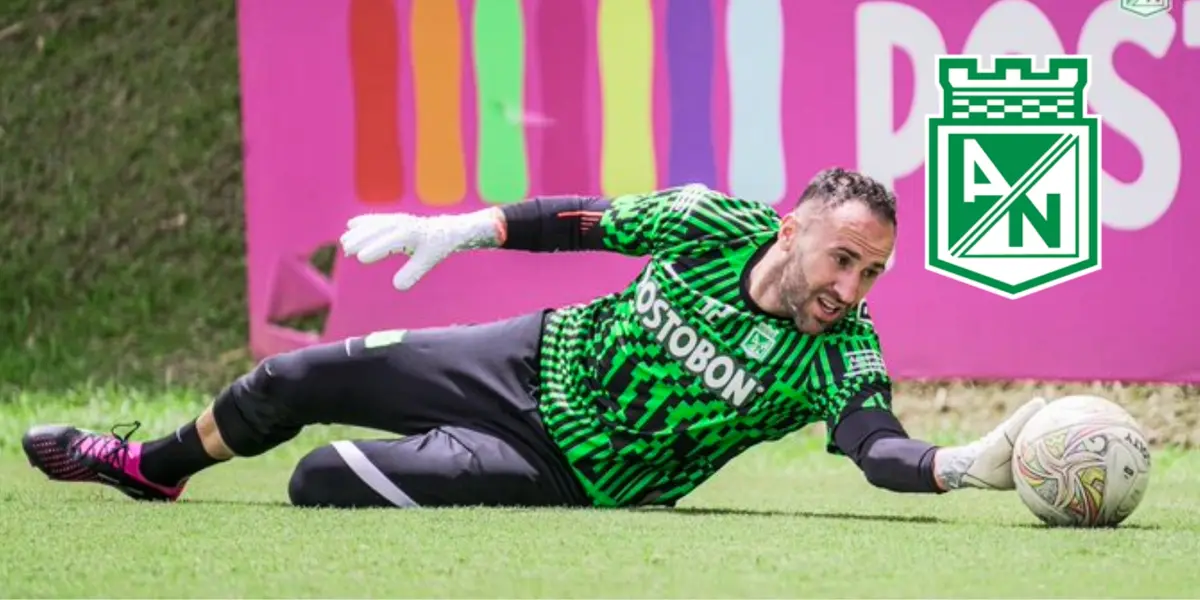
column 720, row 373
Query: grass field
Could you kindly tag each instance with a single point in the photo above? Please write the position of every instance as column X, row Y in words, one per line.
column 784, row 520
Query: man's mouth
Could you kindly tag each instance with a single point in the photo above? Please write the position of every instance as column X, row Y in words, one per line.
column 827, row 309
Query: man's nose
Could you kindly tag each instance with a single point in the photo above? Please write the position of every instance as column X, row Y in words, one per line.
column 847, row 288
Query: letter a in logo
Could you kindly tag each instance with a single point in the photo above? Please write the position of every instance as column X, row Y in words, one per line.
column 1012, row 168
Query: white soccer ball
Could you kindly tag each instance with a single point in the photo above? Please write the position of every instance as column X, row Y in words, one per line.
column 1082, row 461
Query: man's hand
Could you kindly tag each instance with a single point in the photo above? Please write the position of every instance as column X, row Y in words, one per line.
column 425, row 240
column 987, row 462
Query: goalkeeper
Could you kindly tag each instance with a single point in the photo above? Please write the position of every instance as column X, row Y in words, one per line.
column 742, row 327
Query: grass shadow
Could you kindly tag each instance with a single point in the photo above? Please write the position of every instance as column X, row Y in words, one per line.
column 114, row 499
column 801, row 514
column 226, row 502
column 1116, row 528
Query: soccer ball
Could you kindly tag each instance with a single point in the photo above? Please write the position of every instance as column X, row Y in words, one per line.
column 1082, row 461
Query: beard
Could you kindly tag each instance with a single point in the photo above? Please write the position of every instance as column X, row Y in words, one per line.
column 796, row 295
column 800, row 301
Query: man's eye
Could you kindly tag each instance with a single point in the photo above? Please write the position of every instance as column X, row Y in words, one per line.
column 842, row 260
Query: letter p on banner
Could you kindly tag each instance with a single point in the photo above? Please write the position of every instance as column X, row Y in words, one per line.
column 1012, row 167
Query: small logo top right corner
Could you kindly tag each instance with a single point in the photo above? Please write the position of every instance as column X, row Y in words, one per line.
column 1146, row 8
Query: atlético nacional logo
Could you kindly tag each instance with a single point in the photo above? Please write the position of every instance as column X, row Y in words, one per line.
column 1013, row 174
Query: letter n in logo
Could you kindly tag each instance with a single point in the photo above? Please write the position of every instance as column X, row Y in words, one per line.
column 1013, row 175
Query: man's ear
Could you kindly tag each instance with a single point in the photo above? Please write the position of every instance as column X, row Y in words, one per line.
column 788, row 227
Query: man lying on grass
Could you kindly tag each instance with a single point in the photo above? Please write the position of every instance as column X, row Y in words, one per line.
column 742, row 328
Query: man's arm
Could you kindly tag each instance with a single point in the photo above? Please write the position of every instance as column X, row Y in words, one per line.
column 875, row 440
column 856, row 389
column 554, row 224
column 871, row 435
column 631, row 224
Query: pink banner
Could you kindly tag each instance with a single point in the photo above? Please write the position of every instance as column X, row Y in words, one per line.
column 432, row 106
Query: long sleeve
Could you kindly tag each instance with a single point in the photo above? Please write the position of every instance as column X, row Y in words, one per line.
column 876, row 442
column 633, row 224
column 851, row 376
column 555, row 224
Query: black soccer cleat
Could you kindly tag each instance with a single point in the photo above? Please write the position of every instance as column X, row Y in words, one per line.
column 65, row 453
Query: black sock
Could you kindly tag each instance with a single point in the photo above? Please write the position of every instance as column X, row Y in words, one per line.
column 168, row 460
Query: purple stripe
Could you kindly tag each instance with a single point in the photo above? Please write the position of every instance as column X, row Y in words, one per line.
column 562, row 67
column 689, row 33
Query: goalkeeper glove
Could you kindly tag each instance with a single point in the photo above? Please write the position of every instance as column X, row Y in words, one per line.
column 425, row 240
column 987, row 462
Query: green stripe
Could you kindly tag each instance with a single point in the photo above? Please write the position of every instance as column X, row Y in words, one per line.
column 499, row 86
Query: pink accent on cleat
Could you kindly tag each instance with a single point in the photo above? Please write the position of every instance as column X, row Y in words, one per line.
column 69, row 454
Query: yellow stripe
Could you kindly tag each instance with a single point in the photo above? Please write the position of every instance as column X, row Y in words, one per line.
column 626, row 48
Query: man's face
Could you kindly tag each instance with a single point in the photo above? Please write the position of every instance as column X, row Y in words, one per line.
column 835, row 255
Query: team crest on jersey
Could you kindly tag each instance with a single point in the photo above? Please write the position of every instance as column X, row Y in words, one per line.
column 760, row 342
column 864, row 315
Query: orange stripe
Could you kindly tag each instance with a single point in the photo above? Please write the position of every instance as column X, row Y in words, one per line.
column 378, row 172
column 437, row 70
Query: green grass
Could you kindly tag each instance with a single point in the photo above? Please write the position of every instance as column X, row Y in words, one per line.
column 784, row 520
column 121, row 183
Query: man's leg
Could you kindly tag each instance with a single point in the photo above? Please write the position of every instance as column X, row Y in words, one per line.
column 409, row 383
column 448, row 466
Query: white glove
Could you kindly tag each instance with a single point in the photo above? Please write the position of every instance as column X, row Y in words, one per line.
column 425, row 240
column 987, row 462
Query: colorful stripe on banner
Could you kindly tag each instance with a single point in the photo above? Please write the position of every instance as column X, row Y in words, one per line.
column 499, row 50
column 562, row 65
column 375, row 79
column 436, row 35
column 754, row 43
column 689, row 48
column 625, row 39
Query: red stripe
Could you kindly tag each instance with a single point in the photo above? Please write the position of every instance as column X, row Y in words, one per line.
column 581, row 214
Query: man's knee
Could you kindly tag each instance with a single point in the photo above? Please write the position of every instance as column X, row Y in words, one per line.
column 323, row 478
column 314, row 476
column 270, row 404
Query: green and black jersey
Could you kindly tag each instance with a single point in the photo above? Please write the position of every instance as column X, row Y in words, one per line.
column 651, row 390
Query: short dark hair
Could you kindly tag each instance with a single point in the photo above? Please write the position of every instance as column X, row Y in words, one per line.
column 837, row 186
